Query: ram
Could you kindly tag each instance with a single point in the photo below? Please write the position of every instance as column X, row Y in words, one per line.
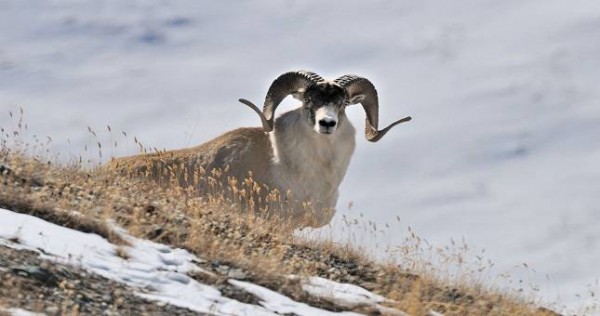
column 300, row 157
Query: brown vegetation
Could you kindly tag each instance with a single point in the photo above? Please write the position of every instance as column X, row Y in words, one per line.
column 214, row 228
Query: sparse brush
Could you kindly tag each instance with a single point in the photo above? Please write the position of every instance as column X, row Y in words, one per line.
column 222, row 225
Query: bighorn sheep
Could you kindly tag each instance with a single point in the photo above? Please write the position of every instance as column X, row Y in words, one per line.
column 303, row 154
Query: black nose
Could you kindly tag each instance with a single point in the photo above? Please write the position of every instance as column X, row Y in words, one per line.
column 326, row 123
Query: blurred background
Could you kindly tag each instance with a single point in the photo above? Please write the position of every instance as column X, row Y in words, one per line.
column 503, row 153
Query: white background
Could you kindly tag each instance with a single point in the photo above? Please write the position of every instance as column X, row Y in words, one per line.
column 503, row 151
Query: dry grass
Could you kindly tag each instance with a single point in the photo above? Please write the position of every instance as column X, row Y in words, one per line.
column 216, row 229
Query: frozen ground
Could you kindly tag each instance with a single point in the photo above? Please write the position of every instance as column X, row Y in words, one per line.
column 160, row 273
column 503, row 150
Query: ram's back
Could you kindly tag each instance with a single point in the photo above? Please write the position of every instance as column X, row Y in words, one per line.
column 232, row 155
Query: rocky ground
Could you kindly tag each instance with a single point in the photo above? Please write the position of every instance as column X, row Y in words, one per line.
column 233, row 246
column 41, row 286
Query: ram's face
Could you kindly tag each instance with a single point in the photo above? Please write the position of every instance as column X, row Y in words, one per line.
column 324, row 105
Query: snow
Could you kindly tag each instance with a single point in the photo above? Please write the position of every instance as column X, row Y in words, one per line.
column 19, row 312
column 156, row 271
column 343, row 294
column 279, row 303
column 503, row 151
column 349, row 295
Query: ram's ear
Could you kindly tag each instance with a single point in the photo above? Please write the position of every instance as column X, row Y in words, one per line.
column 358, row 98
column 299, row 95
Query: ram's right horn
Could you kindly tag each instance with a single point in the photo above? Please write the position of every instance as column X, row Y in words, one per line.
column 361, row 90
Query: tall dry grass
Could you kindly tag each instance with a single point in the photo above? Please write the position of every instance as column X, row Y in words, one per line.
column 81, row 194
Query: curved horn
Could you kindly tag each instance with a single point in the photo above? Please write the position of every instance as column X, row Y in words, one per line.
column 288, row 83
column 361, row 90
column 265, row 123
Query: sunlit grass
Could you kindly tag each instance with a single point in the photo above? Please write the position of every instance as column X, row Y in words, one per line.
column 224, row 220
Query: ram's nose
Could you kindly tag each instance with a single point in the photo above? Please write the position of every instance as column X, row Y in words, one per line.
column 327, row 123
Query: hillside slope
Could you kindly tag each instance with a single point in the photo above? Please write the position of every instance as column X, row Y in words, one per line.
column 64, row 251
column 503, row 151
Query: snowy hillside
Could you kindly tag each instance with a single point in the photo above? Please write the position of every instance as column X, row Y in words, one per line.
column 503, row 150
column 160, row 273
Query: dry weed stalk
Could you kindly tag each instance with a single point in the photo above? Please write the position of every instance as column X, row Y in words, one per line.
column 222, row 226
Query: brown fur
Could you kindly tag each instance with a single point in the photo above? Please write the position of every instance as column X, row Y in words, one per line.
column 232, row 154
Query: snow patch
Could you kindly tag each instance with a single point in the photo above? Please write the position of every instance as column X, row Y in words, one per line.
column 348, row 295
column 158, row 272
column 20, row 312
column 280, row 303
